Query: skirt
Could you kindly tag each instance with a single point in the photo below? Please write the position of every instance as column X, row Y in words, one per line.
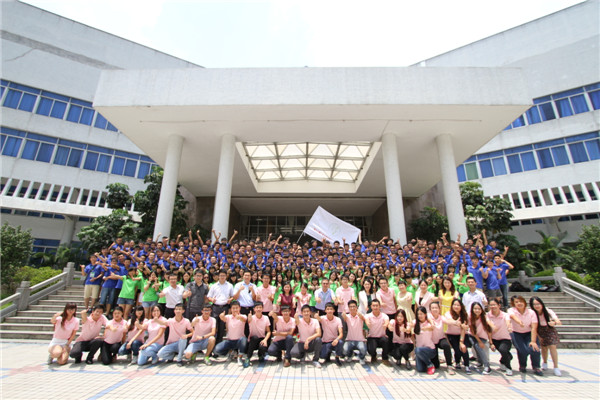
column 548, row 335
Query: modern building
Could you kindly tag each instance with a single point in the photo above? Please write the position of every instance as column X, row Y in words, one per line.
column 259, row 149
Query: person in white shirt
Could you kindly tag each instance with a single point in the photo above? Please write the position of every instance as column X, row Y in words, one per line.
column 173, row 294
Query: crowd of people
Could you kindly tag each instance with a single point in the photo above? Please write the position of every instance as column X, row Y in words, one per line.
column 172, row 300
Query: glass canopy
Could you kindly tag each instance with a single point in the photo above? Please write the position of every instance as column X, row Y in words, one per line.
column 340, row 162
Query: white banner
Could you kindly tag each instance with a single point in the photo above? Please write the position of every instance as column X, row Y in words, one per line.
column 324, row 225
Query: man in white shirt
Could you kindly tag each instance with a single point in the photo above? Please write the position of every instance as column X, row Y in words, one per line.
column 473, row 295
column 173, row 294
column 221, row 295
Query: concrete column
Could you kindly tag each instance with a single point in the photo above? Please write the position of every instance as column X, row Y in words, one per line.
column 393, row 190
column 225, row 179
column 452, row 200
column 168, row 189
column 68, row 230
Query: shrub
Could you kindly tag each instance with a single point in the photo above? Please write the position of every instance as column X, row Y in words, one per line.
column 35, row 275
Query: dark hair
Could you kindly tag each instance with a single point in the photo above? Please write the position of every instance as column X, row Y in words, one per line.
column 207, row 306
column 156, row 307
column 118, row 308
column 482, row 318
column 544, row 309
column 283, row 286
column 396, row 326
column 517, row 297
column 375, row 301
column 330, row 304
column 370, row 280
column 452, row 288
column 287, row 308
column 234, row 303
column 258, row 303
column 306, row 306
column 133, row 319
column 470, row 277
column 72, row 306
column 179, row 305
column 352, row 302
column 417, row 321
column 462, row 314
column 98, row 307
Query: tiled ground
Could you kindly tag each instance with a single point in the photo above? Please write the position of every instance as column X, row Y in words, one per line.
column 25, row 375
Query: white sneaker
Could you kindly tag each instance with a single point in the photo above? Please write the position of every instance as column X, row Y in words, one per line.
column 50, row 360
column 317, row 364
column 509, row 372
column 544, row 366
column 557, row 372
column 502, row 367
column 239, row 361
column 362, row 361
column 134, row 360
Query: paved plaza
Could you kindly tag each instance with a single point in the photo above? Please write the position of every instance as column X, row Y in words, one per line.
column 26, row 375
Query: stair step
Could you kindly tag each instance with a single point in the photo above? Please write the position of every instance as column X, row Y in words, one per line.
column 580, row 321
column 5, row 326
column 66, row 297
column 41, row 335
column 577, row 328
column 568, row 309
column 579, row 335
column 60, row 303
column 579, row 344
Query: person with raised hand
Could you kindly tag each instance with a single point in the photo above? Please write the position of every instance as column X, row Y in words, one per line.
column 66, row 326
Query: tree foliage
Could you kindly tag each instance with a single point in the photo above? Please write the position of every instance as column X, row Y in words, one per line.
column 103, row 230
column 62, row 255
column 146, row 203
column 547, row 254
column 15, row 250
column 430, row 225
column 587, row 255
column 118, row 196
column 492, row 214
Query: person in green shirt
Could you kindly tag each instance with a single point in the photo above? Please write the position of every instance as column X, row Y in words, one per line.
column 131, row 282
column 460, row 279
column 150, row 287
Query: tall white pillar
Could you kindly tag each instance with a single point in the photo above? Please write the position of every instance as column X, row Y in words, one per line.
column 452, row 199
column 168, row 189
column 68, row 230
column 225, row 179
column 393, row 191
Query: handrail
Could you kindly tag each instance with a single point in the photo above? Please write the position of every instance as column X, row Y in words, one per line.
column 41, row 285
column 9, row 299
column 582, row 287
column 591, row 298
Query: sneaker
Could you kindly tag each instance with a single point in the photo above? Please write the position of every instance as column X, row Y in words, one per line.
column 246, row 363
column 207, row 360
column 557, row 372
column 361, row 361
column 134, row 360
column 408, row 365
column 266, row 357
column 317, row 364
column 430, row 370
column 78, row 361
column 155, row 361
column 230, row 356
column 89, row 362
column 451, row 370
column 338, row 362
column 509, row 372
column 487, row 371
column 180, row 363
column 261, row 359
column 544, row 366
column 538, row 372
column 239, row 361
column 502, row 367
column 193, row 357
column 286, row 363
column 457, row 367
column 50, row 360
column 468, row 370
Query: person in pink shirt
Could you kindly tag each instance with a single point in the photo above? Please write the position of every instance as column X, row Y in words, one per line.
column 425, row 350
column 114, row 335
column 260, row 332
column 156, row 337
column 178, row 336
column 524, row 334
column 439, row 338
column 303, row 297
column 309, row 339
column 547, row 323
column 203, row 336
column 377, row 322
column 90, row 331
column 332, row 334
column 66, row 326
column 456, row 322
column 355, row 338
column 282, row 335
column 402, row 344
column 135, row 335
column 501, row 334
column 343, row 295
column 266, row 294
column 236, row 340
column 480, row 334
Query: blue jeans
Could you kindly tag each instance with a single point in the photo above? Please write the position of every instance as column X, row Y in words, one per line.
column 276, row 347
column 150, row 352
column 483, row 355
column 135, row 348
column 168, row 351
column 195, row 347
column 328, row 348
column 521, row 342
column 223, row 347
column 424, row 357
column 504, row 290
column 107, row 295
column 351, row 345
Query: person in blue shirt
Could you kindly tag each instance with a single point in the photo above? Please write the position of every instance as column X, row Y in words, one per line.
column 93, row 273
column 107, row 293
column 504, row 267
column 476, row 270
column 491, row 274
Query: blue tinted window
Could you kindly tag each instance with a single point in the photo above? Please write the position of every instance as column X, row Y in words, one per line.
column 44, row 106
column 578, row 152
column 103, row 163
column 45, row 152
column 111, row 127
column 58, row 109
column 75, row 158
column 74, row 113
column 86, row 116
column 91, row 159
column 593, row 148
column 514, row 163
column 130, row 167
column 545, row 158
column 100, row 121
column 11, row 146
column 533, row 115
column 30, row 150
column 486, row 168
column 27, row 102
column 499, row 166
column 579, row 104
column 595, row 99
column 564, row 107
column 118, row 165
column 12, row 98
column 62, row 154
column 528, row 161
column 145, row 168
column 560, row 155
column 547, row 111
column 518, row 122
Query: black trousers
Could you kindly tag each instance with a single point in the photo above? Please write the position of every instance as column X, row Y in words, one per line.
column 503, row 346
column 254, row 344
column 402, row 350
column 374, row 342
column 108, row 351
column 458, row 354
column 79, row 347
column 444, row 345
column 216, row 311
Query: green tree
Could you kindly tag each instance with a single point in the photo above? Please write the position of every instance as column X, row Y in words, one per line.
column 104, row 229
column 492, row 214
column 62, row 255
column 430, row 225
column 146, row 204
column 15, row 250
column 118, row 196
column 547, row 254
column 587, row 254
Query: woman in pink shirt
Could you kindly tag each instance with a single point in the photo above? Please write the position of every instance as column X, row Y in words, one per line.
column 302, row 298
column 480, row 334
column 547, row 322
column 155, row 340
column 456, row 322
column 402, row 344
column 135, row 335
column 425, row 348
column 501, row 334
column 65, row 328
column 438, row 338
column 524, row 334
column 114, row 335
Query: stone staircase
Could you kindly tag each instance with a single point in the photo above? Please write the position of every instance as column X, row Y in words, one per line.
column 580, row 330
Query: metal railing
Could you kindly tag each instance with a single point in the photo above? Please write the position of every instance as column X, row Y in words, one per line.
column 27, row 295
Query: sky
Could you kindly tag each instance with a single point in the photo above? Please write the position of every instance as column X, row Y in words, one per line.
column 290, row 33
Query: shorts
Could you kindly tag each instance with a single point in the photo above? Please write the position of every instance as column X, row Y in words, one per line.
column 91, row 291
column 58, row 342
column 149, row 304
column 129, row 302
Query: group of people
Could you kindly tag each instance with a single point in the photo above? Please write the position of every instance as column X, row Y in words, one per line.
column 172, row 300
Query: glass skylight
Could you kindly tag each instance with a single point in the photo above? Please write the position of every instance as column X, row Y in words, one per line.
column 340, row 162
